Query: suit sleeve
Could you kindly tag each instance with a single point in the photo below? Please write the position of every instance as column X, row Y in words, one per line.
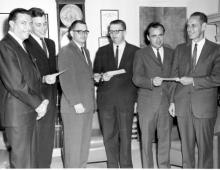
column 68, row 79
column 97, row 67
column 140, row 78
column 14, row 80
column 212, row 79
column 174, row 73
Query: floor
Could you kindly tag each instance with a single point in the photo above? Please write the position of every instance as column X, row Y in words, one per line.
column 136, row 158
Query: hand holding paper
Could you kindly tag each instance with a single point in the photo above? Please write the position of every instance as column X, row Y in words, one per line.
column 109, row 74
column 51, row 78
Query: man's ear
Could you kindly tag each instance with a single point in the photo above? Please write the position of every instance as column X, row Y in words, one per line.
column 204, row 26
column 11, row 24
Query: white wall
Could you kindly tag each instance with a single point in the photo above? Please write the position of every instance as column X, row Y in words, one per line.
column 128, row 11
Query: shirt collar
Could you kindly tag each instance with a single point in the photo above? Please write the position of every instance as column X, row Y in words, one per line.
column 16, row 38
column 155, row 49
column 78, row 45
column 121, row 45
column 199, row 43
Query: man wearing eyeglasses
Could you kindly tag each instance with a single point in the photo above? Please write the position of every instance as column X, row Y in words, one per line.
column 77, row 101
column 116, row 95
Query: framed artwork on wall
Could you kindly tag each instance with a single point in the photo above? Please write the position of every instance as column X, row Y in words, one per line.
column 3, row 24
column 67, row 12
column 106, row 16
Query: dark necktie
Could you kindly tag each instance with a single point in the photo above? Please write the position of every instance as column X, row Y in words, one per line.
column 194, row 56
column 86, row 57
column 24, row 45
column 159, row 57
column 44, row 46
column 116, row 56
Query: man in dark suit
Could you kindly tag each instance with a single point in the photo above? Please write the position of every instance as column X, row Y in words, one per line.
column 116, row 95
column 194, row 98
column 21, row 99
column 43, row 50
column 78, row 100
column 151, row 65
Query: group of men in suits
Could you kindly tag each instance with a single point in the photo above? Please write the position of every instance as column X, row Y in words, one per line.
column 28, row 89
column 164, row 82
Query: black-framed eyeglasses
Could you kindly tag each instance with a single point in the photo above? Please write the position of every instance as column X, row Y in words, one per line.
column 115, row 31
column 81, row 32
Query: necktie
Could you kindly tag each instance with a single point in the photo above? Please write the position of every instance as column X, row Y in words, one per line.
column 116, row 56
column 24, row 47
column 44, row 46
column 86, row 57
column 159, row 57
column 194, row 56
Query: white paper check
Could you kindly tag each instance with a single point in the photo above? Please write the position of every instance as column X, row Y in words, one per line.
column 57, row 74
column 116, row 72
column 172, row 79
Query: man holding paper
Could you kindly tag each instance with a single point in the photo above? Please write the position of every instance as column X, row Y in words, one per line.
column 78, row 99
column 42, row 51
column 151, row 65
column 194, row 98
column 116, row 95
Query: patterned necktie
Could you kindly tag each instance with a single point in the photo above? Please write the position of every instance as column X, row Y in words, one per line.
column 194, row 56
column 86, row 57
column 159, row 57
column 44, row 46
column 116, row 56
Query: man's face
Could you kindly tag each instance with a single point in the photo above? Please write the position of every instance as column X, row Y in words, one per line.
column 117, row 33
column 21, row 27
column 79, row 33
column 39, row 27
column 195, row 28
column 156, row 37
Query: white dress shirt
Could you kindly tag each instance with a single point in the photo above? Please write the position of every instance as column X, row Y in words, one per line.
column 121, row 48
column 200, row 45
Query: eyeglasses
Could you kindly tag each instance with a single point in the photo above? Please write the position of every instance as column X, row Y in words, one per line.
column 81, row 32
column 115, row 31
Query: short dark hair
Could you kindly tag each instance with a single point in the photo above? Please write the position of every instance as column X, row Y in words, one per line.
column 36, row 12
column 152, row 25
column 13, row 14
column 203, row 18
column 73, row 25
column 118, row 21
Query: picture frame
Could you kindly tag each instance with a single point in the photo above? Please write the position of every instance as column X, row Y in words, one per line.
column 3, row 24
column 103, row 41
column 106, row 16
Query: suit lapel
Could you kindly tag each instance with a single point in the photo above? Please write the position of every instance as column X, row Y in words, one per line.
column 124, row 55
column 204, row 53
column 81, row 57
column 153, row 56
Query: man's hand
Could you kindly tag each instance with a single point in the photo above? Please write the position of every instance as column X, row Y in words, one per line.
column 157, row 81
column 42, row 109
column 106, row 76
column 50, row 78
column 79, row 108
column 172, row 109
column 97, row 77
column 186, row 80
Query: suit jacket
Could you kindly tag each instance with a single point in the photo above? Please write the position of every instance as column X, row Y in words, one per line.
column 146, row 67
column 20, row 84
column 120, row 90
column 46, row 66
column 77, row 82
column 201, row 98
